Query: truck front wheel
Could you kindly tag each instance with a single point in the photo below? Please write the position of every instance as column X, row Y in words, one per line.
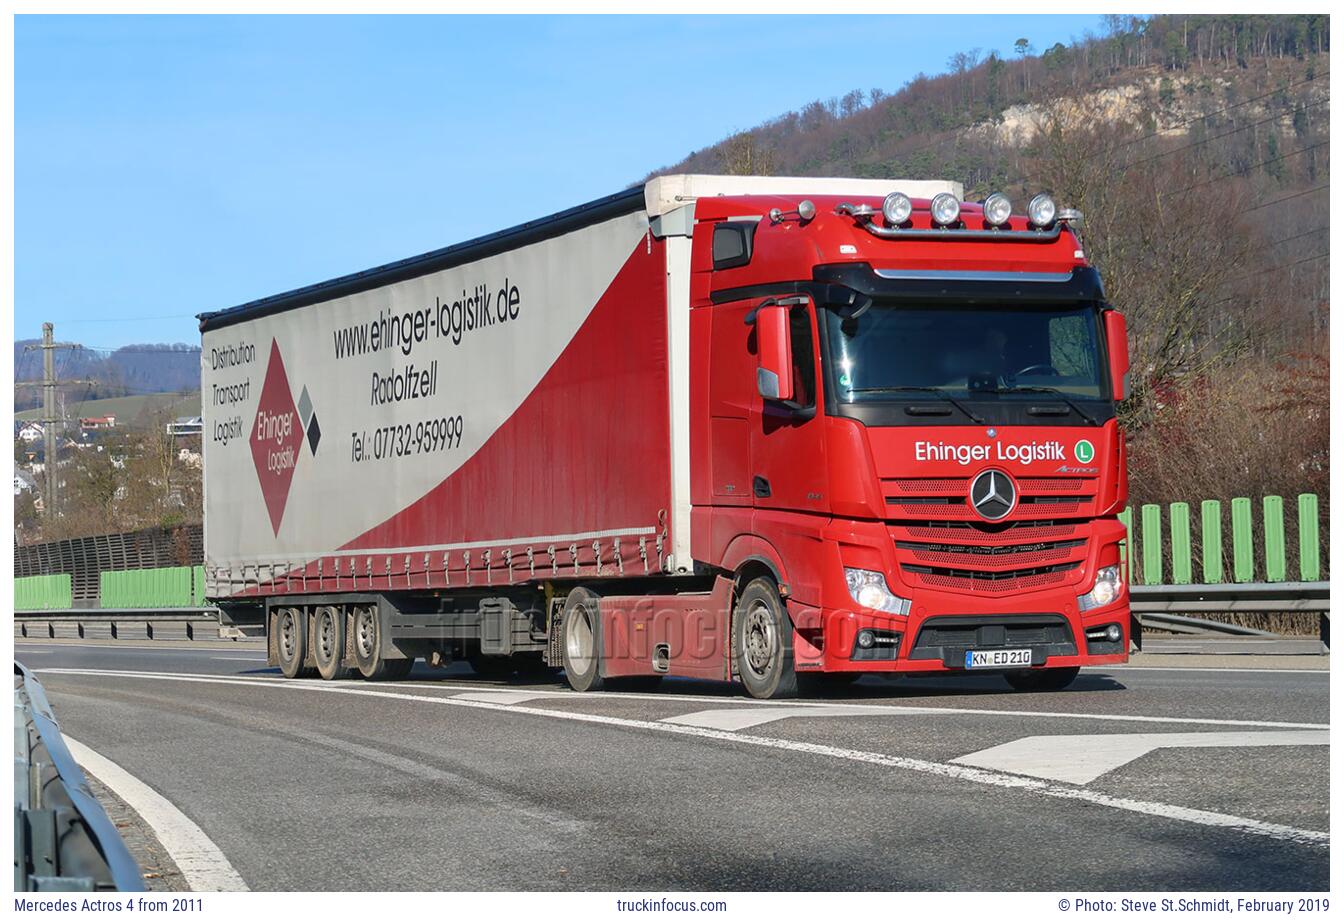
column 1044, row 679
column 763, row 642
column 581, row 632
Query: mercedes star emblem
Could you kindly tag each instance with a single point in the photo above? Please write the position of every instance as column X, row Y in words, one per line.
column 993, row 495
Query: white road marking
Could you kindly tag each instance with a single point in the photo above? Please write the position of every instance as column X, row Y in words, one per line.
column 1080, row 759
column 732, row 720
column 931, row 768
column 502, row 697
column 233, row 658
column 20, row 643
column 738, row 702
column 203, row 864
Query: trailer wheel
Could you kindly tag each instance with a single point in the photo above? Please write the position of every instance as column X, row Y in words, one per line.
column 291, row 641
column 329, row 643
column 368, row 643
column 581, row 634
column 1044, row 679
column 763, row 642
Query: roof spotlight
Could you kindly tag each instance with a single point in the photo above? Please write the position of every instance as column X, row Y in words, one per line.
column 896, row 209
column 1041, row 210
column 945, row 209
column 997, row 209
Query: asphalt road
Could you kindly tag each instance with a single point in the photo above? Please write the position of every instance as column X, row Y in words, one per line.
column 1134, row 779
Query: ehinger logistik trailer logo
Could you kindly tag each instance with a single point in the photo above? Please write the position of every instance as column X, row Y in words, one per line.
column 278, row 434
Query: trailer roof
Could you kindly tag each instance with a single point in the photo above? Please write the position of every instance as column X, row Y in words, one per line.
column 593, row 212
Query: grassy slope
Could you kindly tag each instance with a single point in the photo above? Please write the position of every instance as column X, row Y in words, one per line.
column 134, row 411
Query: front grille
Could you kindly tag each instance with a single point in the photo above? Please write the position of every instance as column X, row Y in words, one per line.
column 994, row 582
column 945, row 497
column 997, row 557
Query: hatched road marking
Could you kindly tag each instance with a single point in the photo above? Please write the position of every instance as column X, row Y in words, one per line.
column 949, row 771
column 1079, row 759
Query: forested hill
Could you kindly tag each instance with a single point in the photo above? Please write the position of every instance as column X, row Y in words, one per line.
column 132, row 370
column 1198, row 148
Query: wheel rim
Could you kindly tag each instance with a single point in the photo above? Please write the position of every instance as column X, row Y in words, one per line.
column 579, row 638
column 289, row 637
column 365, row 633
column 326, row 635
column 759, row 639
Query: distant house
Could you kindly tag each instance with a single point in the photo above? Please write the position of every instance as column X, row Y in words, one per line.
column 188, row 457
column 98, row 423
column 24, row 482
column 30, row 431
column 185, row 426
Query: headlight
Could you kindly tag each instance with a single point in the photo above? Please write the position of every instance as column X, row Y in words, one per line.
column 896, row 209
column 1104, row 592
column 945, row 209
column 997, row 209
column 869, row 589
column 1041, row 210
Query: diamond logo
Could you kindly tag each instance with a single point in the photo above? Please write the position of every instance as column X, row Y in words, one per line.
column 277, row 436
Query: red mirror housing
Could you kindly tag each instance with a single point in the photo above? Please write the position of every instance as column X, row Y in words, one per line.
column 1117, row 350
column 774, row 377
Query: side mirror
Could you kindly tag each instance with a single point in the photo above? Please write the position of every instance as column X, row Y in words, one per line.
column 774, row 376
column 1117, row 350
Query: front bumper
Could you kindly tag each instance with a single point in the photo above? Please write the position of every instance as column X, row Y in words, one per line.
column 937, row 642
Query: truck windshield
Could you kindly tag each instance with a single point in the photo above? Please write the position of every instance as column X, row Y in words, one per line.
column 965, row 356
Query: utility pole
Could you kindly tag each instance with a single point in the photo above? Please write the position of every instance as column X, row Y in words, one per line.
column 50, row 481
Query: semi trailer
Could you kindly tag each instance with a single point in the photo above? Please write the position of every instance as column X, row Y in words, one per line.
column 775, row 430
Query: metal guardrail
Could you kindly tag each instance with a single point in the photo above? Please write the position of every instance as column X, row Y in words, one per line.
column 1169, row 606
column 63, row 840
column 124, row 623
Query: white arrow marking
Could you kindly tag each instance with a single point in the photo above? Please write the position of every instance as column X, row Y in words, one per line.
column 1079, row 759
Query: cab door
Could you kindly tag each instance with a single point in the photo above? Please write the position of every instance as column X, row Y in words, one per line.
column 787, row 456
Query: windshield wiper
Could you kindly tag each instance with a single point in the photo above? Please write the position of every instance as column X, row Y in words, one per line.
column 1053, row 391
column 969, row 414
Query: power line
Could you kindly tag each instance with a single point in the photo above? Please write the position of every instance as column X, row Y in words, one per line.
column 1299, row 236
column 1321, row 187
column 1188, row 122
column 1251, row 167
column 1207, row 140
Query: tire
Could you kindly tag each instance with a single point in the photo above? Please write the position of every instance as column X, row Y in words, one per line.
column 329, row 643
column 369, row 647
column 1044, row 679
column 581, row 640
column 763, row 642
column 291, row 642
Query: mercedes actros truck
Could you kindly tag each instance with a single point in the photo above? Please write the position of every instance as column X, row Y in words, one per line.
column 774, row 430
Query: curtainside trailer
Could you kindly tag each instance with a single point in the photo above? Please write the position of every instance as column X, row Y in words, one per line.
column 776, row 430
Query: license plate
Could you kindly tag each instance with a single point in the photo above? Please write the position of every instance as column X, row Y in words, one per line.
column 998, row 657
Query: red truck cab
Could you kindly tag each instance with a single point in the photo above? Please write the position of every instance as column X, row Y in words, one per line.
column 903, row 426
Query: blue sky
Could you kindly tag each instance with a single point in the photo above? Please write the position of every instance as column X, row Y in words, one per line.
column 169, row 165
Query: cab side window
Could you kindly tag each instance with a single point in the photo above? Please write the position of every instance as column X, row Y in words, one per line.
column 804, row 364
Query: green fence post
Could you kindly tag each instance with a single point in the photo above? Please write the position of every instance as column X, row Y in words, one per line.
column 1211, row 534
column 1243, row 552
column 1151, row 529
column 1181, row 566
column 1276, row 562
column 1309, row 536
column 1126, row 517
